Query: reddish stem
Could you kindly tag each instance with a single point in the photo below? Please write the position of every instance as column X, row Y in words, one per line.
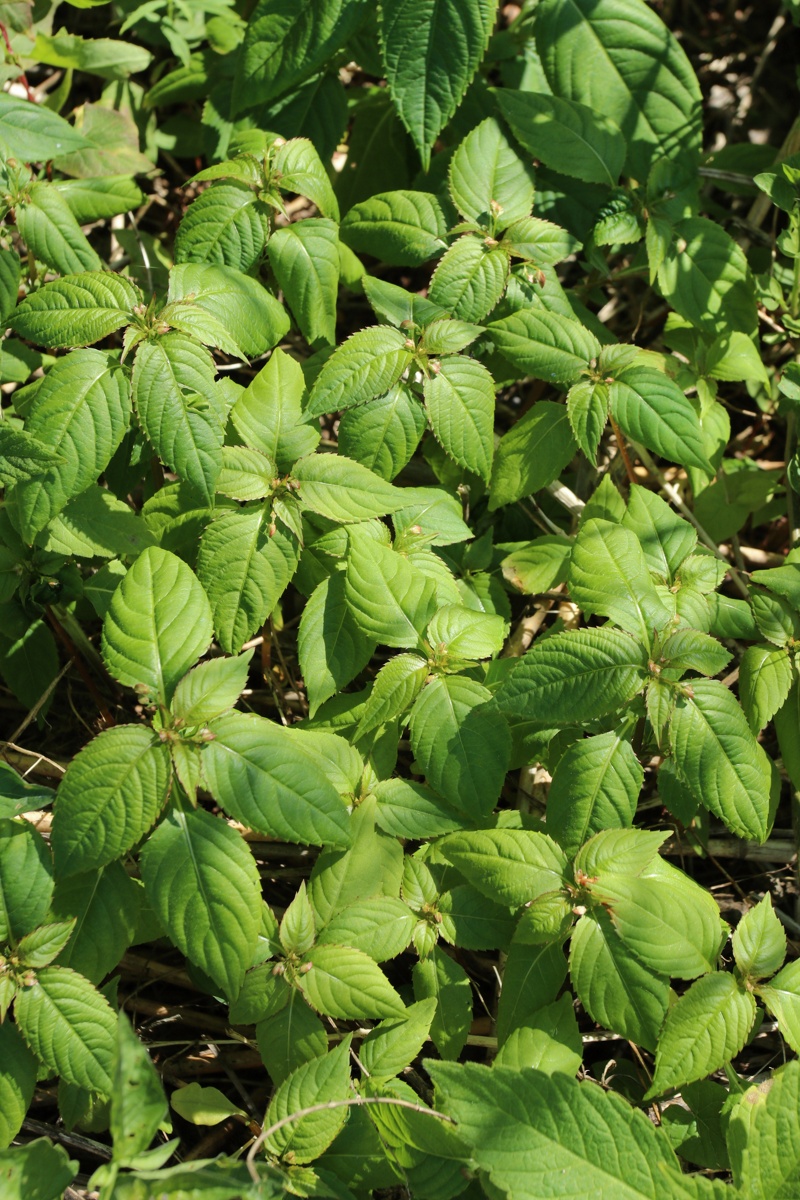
column 623, row 449
column 23, row 79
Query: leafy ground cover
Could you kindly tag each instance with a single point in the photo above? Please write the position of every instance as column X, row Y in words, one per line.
column 399, row 600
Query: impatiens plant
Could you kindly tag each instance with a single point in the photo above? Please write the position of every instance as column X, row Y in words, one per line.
column 399, row 607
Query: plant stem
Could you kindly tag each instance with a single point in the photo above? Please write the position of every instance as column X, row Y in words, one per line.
column 623, row 449
column 22, row 78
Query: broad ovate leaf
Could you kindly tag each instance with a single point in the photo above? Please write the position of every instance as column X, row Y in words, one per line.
column 720, row 761
column 110, row 796
column 459, row 397
column 202, row 881
column 430, row 53
column 70, row 1027
column 157, row 625
column 265, row 778
column 364, row 366
column 705, row 1029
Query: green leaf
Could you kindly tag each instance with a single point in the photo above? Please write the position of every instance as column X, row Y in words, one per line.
column 297, row 928
column 22, row 455
column 269, row 416
column 651, row 409
column 395, row 1043
column 487, row 178
column 532, row 977
column 548, row 1041
column 539, row 242
column 142, row 641
column 703, row 1030
column 391, row 600
column 297, row 167
column 203, row 1105
column 469, row 922
column 332, row 650
column 537, row 566
column 575, row 676
column 18, row 795
column 99, row 199
column 587, row 409
column 705, row 277
column 396, row 686
column 759, row 941
column 263, row 776
column 210, row 689
column 470, row 278
column 614, row 987
column 227, row 225
column 320, row 1081
column 173, row 390
column 291, row 1037
column 76, row 311
column 26, row 879
column 380, row 927
column 430, row 54
column 138, row 1104
column 567, row 136
column 665, row 538
column 105, row 57
column 544, row 344
column 203, row 883
column 697, row 1132
column 252, row 316
column 622, row 852
column 52, row 234
column 782, row 997
column 33, row 132
column 466, row 633
column 81, row 411
column 691, row 650
column 105, row 905
column 609, row 577
column 305, row 259
column 42, row 945
column 532, row 454
column 342, row 490
column 765, row 680
column 763, row 1137
column 640, row 76
column 459, row 397
column 285, row 43
column 670, row 923
column 538, row 1135
column 441, row 978
column 110, row 796
column 461, row 745
column 96, row 524
column 17, row 1085
column 438, row 513
column 384, row 434
column 595, row 786
column 510, row 866
column 38, row 1170
column 244, row 571
column 407, row 809
column 347, row 983
column 70, row 1027
column 364, row 366
column 718, row 758
column 402, row 229
column 10, row 272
